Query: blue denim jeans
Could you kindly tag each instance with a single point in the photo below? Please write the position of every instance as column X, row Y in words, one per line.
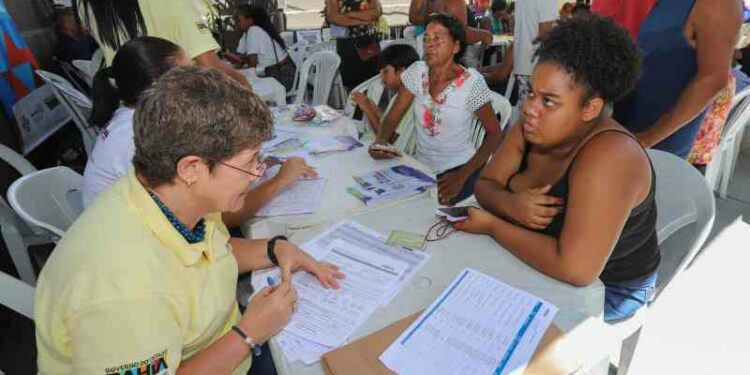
column 623, row 299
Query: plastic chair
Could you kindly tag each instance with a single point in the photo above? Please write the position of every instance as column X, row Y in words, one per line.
column 374, row 89
column 325, row 66
column 410, row 33
column 502, row 108
column 50, row 199
column 17, row 235
column 288, row 37
column 17, row 295
column 721, row 167
column 298, row 53
column 693, row 205
column 76, row 76
column 78, row 105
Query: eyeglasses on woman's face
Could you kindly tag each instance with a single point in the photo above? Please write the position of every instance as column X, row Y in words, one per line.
column 258, row 169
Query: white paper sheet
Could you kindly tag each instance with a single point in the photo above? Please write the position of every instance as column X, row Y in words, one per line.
column 302, row 197
column 330, row 316
column 370, row 240
column 478, row 325
column 279, row 138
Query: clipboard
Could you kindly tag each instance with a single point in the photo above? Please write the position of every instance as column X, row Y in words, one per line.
column 361, row 356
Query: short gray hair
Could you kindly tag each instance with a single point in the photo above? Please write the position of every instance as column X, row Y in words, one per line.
column 195, row 111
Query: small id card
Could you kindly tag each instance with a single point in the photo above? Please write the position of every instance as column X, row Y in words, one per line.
column 407, row 239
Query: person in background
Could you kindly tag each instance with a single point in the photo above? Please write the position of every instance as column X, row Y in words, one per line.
column 542, row 193
column 135, row 67
column 712, row 126
column 144, row 280
column 497, row 75
column 566, row 11
column 114, row 22
column 261, row 47
column 581, row 9
column 497, row 21
column 448, row 99
column 668, row 104
column 419, row 11
column 533, row 18
column 354, row 26
column 72, row 42
column 394, row 59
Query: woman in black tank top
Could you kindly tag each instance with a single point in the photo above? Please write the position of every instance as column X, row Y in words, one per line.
column 570, row 191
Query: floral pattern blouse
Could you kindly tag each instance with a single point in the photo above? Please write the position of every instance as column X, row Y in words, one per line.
column 711, row 128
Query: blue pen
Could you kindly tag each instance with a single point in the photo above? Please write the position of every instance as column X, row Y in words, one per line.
column 257, row 350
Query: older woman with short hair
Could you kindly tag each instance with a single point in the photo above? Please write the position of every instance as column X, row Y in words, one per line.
column 145, row 279
column 447, row 99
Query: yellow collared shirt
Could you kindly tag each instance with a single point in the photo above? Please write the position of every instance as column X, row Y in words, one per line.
column 123, row 290
column 178, row 21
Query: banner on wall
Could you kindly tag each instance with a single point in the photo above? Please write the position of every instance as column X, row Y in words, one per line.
column 17, row 63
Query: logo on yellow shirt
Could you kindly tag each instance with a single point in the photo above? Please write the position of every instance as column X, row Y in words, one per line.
column 157, row 364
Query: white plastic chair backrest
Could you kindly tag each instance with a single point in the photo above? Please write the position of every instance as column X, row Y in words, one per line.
column 682, row 198
column 374, row 88
column 66, row 88
column 297, row 51
column 408, row 42
column 318, row 47
column 75, row 75
column 326, row 34
column 97, row 62
column 288, row 37
column 16, row 161
column 502, row 108
column 78, row 105
column 50, row 198
column 17, row 295
column 407, row 139
column 325, row 66
column 410, row 32
column 84, row 66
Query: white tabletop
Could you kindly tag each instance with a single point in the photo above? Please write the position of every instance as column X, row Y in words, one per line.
column 337, row 169
column 581, row 309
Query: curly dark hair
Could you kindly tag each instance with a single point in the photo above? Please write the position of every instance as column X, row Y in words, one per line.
column 599, row 54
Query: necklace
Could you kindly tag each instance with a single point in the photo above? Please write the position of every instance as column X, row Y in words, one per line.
column 431, row 114
column 191, row 236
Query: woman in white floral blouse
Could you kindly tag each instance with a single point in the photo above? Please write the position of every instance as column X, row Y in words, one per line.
column 447, row 98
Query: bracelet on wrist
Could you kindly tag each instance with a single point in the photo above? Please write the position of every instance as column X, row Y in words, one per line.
column 271, row 249
column 254, row 348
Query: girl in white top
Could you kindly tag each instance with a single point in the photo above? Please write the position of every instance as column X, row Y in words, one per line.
column 261, row 47
column 136, row 64
column 447, row 99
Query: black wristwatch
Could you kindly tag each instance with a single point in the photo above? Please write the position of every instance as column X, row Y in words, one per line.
column 271, row 249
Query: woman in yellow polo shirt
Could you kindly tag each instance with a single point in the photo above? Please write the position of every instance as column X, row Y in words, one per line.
column 144, row 281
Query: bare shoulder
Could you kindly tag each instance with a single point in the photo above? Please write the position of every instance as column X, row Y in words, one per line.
column 716, row 13
column 616, row 159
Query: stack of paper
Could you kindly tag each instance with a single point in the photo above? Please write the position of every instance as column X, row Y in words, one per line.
column 390, row 184
column 326, row 318
column 479, row 325
column 302, row 197
column 337, row 143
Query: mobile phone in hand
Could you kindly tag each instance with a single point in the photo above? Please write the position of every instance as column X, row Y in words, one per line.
column 454, row 214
